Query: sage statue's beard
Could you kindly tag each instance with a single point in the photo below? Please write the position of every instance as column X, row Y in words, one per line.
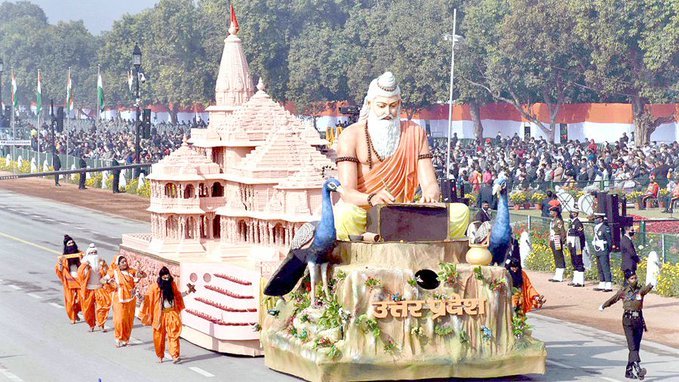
column 385, row 134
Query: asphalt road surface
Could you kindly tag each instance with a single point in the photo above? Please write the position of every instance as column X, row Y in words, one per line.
column 38, row 343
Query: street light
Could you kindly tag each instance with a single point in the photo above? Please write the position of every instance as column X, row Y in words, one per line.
column 453, row 38
column 136, row 61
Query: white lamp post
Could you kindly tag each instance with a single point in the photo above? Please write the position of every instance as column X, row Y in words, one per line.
column 453, row 38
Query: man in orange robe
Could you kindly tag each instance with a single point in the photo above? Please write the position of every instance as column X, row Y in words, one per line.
column 67, row 272
column 124, row 280
column 381, row 159
column 161, row 308
column 103, row 297
column 525, row 297
column 90, row 281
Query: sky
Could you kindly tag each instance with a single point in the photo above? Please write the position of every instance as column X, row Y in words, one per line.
column 98, row 15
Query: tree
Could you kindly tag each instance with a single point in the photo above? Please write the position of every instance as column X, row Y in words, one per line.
column 635, row 54
column 406, row 38
column 542, row 68
column 480, row 27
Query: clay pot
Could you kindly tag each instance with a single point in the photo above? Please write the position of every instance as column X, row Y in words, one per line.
column 538, row 206
column 478, row 255
column 517, row 207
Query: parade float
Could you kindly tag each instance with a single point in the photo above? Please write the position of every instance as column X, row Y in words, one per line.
column 405, row 303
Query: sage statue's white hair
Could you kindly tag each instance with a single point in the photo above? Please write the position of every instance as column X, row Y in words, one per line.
column 382, row 86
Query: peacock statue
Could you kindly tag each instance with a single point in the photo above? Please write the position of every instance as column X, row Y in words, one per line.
column 322, row 236
column 501, row 232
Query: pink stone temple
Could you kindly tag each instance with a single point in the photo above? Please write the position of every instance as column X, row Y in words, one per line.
column 225, row 206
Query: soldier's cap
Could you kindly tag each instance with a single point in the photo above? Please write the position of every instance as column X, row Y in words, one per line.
column 555, row 208
column 629, row 273
column 574, row 210
column 599, row 214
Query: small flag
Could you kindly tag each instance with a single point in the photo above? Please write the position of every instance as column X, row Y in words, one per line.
column 130, row 79
column 69, row 93
column 15, row 101
column 234, row 20
column 100, row 91
column 39, row 94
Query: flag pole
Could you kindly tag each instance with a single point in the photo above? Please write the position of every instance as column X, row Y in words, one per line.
column 12, row 122
column 98, row 107
column 68, row 112
column 39, row 110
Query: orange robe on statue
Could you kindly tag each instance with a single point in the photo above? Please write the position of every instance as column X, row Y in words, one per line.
column 71, row 287
column 166, row 322
column 124, row 301
column 527, row 298
column 399, row 171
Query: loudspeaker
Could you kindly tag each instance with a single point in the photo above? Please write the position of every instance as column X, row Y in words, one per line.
column 526, row 132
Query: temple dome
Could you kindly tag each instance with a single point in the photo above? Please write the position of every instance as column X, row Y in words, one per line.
column 234, row 83
column 184, row 164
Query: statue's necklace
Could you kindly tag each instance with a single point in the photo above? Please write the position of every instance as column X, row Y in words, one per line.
column 369, row 143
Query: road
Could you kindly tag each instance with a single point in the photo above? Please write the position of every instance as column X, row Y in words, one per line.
column 38, row 343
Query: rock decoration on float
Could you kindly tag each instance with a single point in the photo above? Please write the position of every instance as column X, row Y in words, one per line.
column 402, row 310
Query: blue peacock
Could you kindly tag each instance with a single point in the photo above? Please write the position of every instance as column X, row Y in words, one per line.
column 501, row 233
column 322, row 236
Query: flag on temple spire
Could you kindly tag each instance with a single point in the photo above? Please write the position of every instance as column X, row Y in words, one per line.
column 15, row 101
column 234, row 22
column 69, row 93
column 100, row 91
column 38, row 94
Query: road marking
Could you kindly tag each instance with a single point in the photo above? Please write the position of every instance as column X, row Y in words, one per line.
column 34, row 295
column 609, row 379
column 50, row 250
column 14, row 287
column 563, row 365
column 135, row 341
column 56, row 305
column 201, row 372
column 11, row 376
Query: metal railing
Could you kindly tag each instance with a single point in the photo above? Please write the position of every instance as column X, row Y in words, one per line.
column 665, row 245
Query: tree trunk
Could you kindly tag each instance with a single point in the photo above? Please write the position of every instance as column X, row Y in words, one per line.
column 475, row 111
column 644, row 124
column 173, row 109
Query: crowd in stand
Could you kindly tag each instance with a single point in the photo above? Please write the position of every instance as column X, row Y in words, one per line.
column 106, row 140
column 537, row 164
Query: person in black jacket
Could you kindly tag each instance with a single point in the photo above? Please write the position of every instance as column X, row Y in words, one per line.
column 576, row 245
column 545, row 204
column 486, row 196
column 602, row 250
column 116, row 176
column 630, row 259
column 83, row 165
column 56, row 163
column 484, row 213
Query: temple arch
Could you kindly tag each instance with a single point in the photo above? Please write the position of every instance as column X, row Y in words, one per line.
column 170, row 190
column 217, row 189
column 189, row 191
